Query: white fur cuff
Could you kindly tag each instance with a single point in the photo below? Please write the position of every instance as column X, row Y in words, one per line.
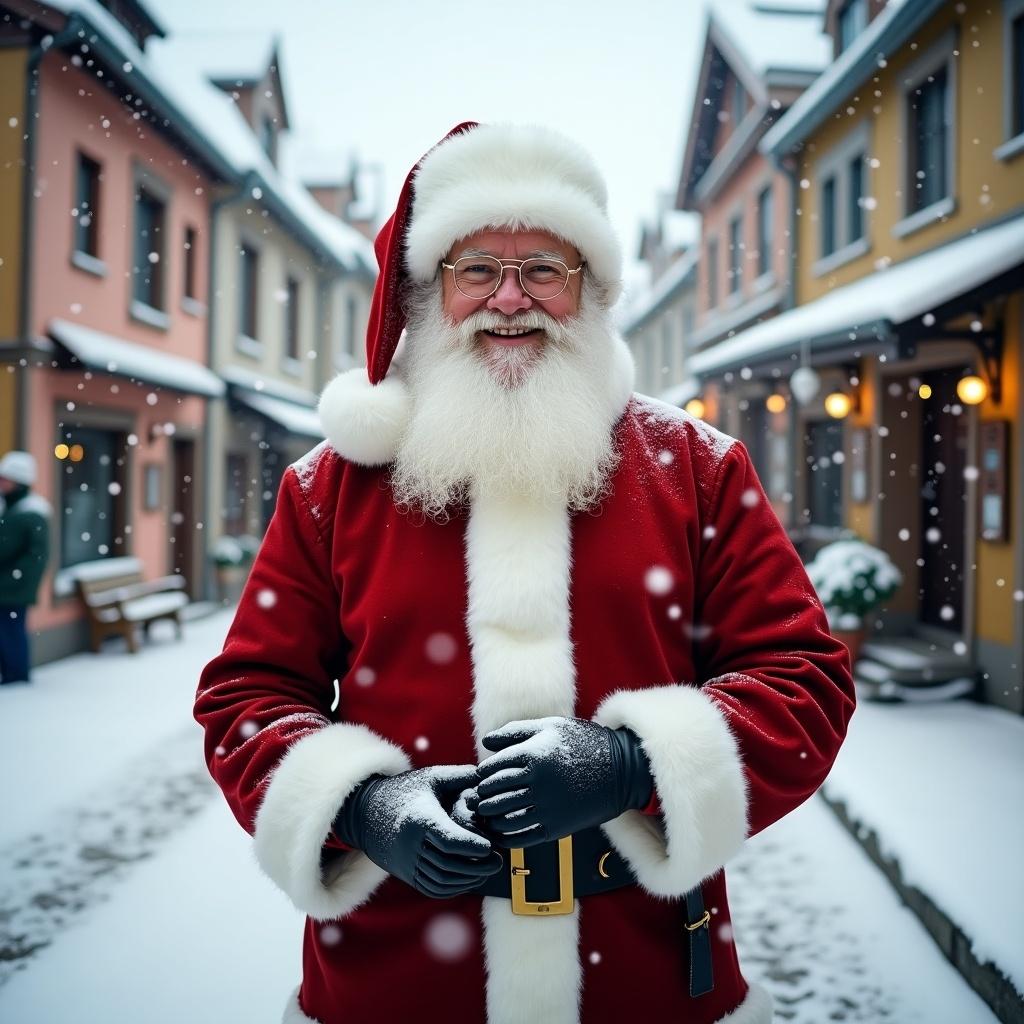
column 302, row 799
column 699, row 779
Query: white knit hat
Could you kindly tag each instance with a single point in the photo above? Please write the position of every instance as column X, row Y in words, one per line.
column 19, row 467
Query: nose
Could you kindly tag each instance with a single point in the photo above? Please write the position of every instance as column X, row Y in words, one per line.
column 510, row 297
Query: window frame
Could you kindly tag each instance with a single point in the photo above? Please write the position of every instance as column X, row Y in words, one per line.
column 246, row 342
column 1013, row 138
column 140, row 308
column 765, row 239
column 711, row 272
column 291, row 361
column 736, row 249
column 88, row 259
column 835, row 165
column 850, row 5
column 939, row 54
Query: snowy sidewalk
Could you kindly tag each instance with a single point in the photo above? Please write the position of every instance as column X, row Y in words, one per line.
column 934, row 792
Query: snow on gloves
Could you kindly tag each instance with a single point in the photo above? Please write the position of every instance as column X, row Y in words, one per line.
column 401, row 823
column 554, row 776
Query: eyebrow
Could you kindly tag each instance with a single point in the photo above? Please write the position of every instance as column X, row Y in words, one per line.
column 536, row 254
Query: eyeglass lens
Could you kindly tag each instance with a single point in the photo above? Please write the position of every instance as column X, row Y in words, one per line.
column 478, row 277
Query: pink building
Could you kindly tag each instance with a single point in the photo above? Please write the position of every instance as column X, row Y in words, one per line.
column 113, row 389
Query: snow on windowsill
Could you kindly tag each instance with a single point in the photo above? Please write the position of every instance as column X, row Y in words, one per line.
column 149, row 315
column 89, row 263
column 923, row 218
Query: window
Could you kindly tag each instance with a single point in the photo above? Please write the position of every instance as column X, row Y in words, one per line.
column 739, row 101
column 853, row 19
column 712, row 272
column 855, row 199
column 828, row 217
column 291, row 337
column 147, row 280
column 764, row 230
column 688, row 319
column 268, row 137
column 191, row 241
column 735, row 267
column 824, row 475
column 667, row 367
column 248, row 292
column 87, row 199
column 927, row 158
column 351, row 342
column 843, row 172
column 236, row 495
column 1015, row 73
column 91, row 494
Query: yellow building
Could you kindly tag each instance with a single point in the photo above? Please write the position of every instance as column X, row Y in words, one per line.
column 908, row 159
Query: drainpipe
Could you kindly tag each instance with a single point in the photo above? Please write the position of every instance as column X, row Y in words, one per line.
column 216, row 206
column 73, row 27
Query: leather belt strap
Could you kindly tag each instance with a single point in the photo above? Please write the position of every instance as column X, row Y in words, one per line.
column 590, row 865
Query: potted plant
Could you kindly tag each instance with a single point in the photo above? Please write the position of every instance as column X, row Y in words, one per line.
column 852, row 579
column 229, row 563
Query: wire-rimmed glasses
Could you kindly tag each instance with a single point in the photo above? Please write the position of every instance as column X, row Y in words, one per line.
column 540, row 277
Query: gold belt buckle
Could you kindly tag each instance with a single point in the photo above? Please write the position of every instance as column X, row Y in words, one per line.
column 564, row 905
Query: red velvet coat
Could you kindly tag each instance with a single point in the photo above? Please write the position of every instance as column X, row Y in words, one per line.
column 680, row 609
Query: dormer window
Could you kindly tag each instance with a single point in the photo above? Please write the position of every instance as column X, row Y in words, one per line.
column 853, row 19
column 268, row 137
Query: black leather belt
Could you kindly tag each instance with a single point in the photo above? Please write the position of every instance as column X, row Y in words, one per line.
column 544, row 881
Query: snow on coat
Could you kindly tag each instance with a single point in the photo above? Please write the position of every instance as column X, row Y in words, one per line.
column 679, row 609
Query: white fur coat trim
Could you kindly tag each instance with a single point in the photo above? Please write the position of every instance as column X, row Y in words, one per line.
column 511, row 176
column 698, row 775
column 302, row 798
column 518, row 564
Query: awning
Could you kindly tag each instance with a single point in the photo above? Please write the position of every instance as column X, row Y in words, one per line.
column 109, row 354
column 296, row 419
column 876, row 306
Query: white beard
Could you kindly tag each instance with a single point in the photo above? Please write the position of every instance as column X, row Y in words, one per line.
column 506, row 423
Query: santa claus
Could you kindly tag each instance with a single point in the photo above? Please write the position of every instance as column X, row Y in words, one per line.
column 524, row 657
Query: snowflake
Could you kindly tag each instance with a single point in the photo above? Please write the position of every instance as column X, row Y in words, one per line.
column 595, row 957
column 750, row 498
column 266, row 598
column 330, row 935
column 247, row 729
column 448, row 937
column 365, row 676
column 441, row 648
column 658, row 580
column 421, row 743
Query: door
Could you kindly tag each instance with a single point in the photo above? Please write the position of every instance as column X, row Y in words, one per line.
column 183, row 520
column 943, row 510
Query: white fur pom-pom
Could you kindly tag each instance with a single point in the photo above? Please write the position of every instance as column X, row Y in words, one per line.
column 364, row 422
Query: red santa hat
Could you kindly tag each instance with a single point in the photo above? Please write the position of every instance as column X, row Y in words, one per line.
column 478, row 176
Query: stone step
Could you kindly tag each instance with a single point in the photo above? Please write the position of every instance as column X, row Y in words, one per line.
column 911, row 660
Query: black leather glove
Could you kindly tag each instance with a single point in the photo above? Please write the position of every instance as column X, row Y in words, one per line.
column 403, row 824
column 555, row 776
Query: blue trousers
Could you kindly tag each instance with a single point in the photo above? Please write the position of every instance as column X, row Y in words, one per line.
column 13, row 644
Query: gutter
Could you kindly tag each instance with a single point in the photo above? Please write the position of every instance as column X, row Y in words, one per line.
column 67, row 34
column 885, row 34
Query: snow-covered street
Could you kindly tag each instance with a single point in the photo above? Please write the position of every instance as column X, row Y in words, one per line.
column 125, row 878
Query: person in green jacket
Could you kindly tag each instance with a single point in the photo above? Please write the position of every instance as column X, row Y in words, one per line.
column 24, row 550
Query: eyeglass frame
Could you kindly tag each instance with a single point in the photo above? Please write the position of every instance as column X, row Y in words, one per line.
column 507, row 265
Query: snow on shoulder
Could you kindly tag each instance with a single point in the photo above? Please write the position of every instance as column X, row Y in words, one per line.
column 664, row 420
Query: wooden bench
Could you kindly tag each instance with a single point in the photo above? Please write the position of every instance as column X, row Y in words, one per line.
column 117, row 603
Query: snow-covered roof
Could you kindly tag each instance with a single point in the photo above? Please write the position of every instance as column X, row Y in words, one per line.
column 889, row 297
column 172, row 69
column 239, row 377
column 296, row 419
column 235, row 56
column 674, row 278
column 109, row 354
column 776, row 37
column 896, row 22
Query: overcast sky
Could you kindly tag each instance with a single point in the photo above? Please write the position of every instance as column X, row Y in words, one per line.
column 388, row 78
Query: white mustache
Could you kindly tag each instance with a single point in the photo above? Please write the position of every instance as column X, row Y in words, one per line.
column 529, row 320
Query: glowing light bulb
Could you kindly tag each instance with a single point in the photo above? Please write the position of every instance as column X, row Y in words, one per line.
column 695, row 407
column 925, row 391
column 776, row 403
column 971, row 390
column 838, row 405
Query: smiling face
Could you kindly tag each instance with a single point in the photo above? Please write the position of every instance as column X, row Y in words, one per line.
column 510, row 304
